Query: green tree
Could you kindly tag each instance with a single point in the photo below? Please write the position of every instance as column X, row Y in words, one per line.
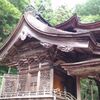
column 90, row 18
column 87, row 87
column 9, row 16
column 91, row 7
column 89, row 11
column 19, row 4
column 54, row 17
column 63, row 13
column 44, row 8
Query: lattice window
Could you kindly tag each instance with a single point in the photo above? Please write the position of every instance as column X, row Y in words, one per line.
column 10, row 84
column 45, row 80
column 22, row 82
column 34, row 82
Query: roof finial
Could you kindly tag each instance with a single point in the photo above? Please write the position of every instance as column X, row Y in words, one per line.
column 32, row 2
column 31, row 7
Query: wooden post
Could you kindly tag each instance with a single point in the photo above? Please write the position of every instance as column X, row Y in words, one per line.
column 51, row 79
column 9, row 70
column 27, row 87
column 2, row 85
column 38, row 78
column 28, row 80
column 17, row 84
column 78, row 89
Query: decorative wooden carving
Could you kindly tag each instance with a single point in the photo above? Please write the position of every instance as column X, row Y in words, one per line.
column 23, row 63
column 28, row 54
column 46, row 45
column 65, row 48
column 31, row 60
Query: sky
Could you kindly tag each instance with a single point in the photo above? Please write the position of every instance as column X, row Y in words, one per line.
column 57, row 3
column 70, row 3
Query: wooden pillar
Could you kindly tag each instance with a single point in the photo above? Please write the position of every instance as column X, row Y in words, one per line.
column 78, row 88
column 9, row 70
column 2, row 84
column 28, row 81
column 51, row 79
column 17, row 83
column 38, row 78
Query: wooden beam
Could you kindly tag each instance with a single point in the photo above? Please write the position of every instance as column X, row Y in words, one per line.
column 85, row 71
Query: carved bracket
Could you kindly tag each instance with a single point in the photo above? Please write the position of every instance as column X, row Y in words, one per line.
column 46, row 45
column 65, row 48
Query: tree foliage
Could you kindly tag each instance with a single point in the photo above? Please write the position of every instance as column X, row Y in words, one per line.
column 52, row 16
column 19, row 4
column 91, row 7
column 88, row 86
column 90, row 18
column 61, row 14
column 89, row 11
column 9, row 15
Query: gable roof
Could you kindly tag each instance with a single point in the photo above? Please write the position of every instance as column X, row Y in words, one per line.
column 65, row 40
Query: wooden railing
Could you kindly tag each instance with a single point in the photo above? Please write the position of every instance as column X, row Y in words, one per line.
column 26, row 94
column 66, row 95
column 38, row 94
column 69, row 96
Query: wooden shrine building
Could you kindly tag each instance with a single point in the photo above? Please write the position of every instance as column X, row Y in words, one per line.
column 50, row 60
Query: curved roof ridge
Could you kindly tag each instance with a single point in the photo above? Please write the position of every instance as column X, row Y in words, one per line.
column 75, row 23
column 73, row 19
